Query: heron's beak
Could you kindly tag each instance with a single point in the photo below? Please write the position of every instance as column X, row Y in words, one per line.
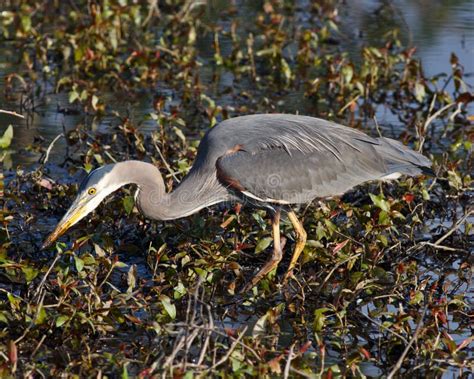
column 73, row 215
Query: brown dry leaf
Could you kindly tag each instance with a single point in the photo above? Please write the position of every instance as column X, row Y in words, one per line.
column 274, row 364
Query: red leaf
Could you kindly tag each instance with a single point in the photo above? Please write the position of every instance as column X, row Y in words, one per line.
column 400, row 268
column 146, row 373
column 238, row 208
column 408, row 197
column 230, row 332
column 339, row 246
column 90, row 54
column 133, row 319
column 364, row 352
column 465, row 343
column 12, row 353
column 305, row 347
column 274, row 364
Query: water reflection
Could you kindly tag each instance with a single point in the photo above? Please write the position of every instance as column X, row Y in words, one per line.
column 436, row 28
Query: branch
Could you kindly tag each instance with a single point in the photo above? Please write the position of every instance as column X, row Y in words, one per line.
column 399, row 363
column 10, row 113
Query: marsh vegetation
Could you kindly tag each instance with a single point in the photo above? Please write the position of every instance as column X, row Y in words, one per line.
column 384, row 286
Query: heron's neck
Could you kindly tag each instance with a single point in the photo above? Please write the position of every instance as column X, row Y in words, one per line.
column 196, row 191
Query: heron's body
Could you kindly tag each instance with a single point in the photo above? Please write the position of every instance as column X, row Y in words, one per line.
column 272, row 160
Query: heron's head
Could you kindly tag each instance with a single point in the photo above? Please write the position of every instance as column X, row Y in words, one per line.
column 96, row 187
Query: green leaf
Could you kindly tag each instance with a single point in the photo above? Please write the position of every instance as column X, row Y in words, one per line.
column 261, row 222
column 330, row 226
column 88, row 167
column 125, row 372
column 260, row 326
column 7, row 137
column 79, row 264
column 384, row 218
column 26, row 22
column 3, row 318
column 347, row 73
column 420, row 91
column 42, row 315
column 319, row 319
column 320, row 231
column 263, row 244
column 180, row 134
column 61, row 320
column 73, row 96
column 94, row 101
column 128, row 203
column 380, row 202
column 169, row 307
column 425, row 194
column 417, row 298
column 14, row 301
column 30, row 273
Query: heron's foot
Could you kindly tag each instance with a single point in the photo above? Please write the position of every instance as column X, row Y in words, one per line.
column 277, row 254
column 269, row 266
column 289, row 275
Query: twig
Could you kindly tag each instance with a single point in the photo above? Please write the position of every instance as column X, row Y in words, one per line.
column 10, row 113
column 153, row 10
column 336, row 267
column 168, row 167
column 302, row 373
column 166, row 50
column 33, row 320
column 429, row 120
column 442, row 247
column 231, row 350
column 377, row 126
column 382, row 327
column 48, row 150
column 40, row 287
column 455, row 227
column 223, row 334
column 286, row 373
column 412, row 341
column 38, row 345
column 208, row 336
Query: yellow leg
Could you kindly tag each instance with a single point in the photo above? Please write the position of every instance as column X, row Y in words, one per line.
column 300, row 243
column 274, row 259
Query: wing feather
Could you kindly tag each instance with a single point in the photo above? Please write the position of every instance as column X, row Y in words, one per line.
column 298, row 159
column 294, row 159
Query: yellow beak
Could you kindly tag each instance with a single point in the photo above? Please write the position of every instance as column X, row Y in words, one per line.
column 69, row 219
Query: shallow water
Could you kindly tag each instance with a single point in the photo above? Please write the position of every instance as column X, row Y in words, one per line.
column 435, row 28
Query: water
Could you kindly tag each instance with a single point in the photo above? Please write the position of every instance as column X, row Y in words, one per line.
column 436, row 28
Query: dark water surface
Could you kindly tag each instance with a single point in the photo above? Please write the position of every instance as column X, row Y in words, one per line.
column 436, row 28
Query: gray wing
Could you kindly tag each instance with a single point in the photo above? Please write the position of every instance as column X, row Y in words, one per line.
column 294, row 159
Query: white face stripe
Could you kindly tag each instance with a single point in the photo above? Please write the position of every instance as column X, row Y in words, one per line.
column 91, row 202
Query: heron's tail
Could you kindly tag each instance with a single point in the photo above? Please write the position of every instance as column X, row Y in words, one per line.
column 401, row 159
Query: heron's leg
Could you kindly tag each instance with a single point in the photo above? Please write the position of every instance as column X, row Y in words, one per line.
column 300, row 243
column 274, row 259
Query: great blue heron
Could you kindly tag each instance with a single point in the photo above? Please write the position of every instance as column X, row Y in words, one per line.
column 269, row 160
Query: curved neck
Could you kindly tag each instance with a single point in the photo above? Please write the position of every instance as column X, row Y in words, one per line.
column 197, row 190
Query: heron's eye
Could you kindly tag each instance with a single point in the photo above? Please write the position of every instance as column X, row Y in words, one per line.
column 92, row 191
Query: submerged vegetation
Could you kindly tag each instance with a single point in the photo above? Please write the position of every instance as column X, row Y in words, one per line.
column 384, row 286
